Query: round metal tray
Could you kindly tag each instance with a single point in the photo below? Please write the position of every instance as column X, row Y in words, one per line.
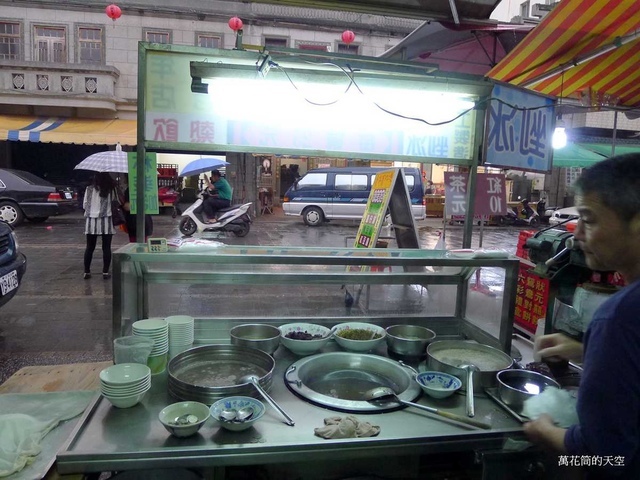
column 208, row 373
column 338, row 380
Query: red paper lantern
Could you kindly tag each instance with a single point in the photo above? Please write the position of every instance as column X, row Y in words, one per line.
column 348, row 36
column 235, row 24
column 113, row 12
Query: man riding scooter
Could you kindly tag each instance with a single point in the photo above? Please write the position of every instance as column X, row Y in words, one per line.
column 219, row 195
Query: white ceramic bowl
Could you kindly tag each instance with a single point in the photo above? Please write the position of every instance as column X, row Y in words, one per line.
column 124, row 374
column 304, row 347
column 125, row 401
column 438, row 384
column 358, row 345
column 236, row 403
column 168, row 416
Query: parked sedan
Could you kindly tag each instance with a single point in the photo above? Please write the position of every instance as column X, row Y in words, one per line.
column 25, row 195
column 563, row 214
column 13, row 264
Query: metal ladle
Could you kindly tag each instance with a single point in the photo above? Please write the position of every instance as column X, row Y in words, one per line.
column 243, row 414
column 228, row 414
column 253, row 380
column 380, row 394
column 470, row 369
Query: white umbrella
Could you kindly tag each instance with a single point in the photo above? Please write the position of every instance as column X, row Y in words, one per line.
column 111, row 161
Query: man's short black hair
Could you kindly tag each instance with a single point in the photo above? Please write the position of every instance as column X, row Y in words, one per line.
column 215, row 173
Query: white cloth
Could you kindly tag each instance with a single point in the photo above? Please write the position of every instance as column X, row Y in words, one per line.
column 560, row 405
column 26, row 418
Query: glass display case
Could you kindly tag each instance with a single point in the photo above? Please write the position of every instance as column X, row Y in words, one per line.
column 223, row 286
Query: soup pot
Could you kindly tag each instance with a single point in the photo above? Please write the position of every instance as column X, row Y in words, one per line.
column 449, row 355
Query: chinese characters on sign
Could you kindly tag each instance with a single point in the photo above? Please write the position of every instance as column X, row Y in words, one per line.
column 520, row 127
column 532, row 296
column 151, row 205
column 490, row 198
column 376, row 209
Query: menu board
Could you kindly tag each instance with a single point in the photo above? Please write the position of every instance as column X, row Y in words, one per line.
column 151, row 205
column 376, row 210
column 532, row 296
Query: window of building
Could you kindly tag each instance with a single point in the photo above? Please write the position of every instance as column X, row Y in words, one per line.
column 208, row 41
column 276, row 42
column 50, row 44
column 10, row 41
column 157, row 36
column 90, row 45
column 524, row 9
column 348, row 49
column 317, row 46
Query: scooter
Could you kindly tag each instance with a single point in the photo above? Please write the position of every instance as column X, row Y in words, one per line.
column 528, row 216
column 233, row 219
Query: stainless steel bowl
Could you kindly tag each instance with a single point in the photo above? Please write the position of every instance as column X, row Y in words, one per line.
column 257, row 335
column 515, row 385
column 409, row 340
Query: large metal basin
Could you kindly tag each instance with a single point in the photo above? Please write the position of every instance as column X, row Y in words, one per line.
column 338, row 380
column 211, row 372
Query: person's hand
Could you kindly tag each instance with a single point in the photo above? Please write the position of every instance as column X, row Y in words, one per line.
column 558, row 345
column 543, row 432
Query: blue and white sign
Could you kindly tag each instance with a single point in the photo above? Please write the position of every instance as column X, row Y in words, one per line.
column 519, row 130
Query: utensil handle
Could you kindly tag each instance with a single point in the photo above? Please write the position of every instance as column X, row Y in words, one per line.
column 471, row 410
column 461, row 419
column 272, row 402
column 450, row 416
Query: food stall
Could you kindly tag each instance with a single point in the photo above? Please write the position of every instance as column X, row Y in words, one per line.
column 222, row 287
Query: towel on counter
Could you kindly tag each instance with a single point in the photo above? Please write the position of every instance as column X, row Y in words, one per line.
column 347, row 427
column 26, row 418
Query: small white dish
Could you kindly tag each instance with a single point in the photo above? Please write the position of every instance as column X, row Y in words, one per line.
column 438, row 384
column 236, row 403
column 184, row 419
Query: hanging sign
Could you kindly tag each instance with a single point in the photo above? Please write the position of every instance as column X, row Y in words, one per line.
column 490, row 197
column 151, row 205
column 520, row 125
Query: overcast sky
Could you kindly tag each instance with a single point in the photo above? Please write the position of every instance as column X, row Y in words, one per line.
column 507, row 9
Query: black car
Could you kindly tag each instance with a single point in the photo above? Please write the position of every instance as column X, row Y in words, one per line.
column 13, row 264
column 25, row 195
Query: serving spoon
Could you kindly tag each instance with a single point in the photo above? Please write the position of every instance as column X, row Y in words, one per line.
column 240, row 415
column 470, row 369
column 253, row 380
column 382, row 394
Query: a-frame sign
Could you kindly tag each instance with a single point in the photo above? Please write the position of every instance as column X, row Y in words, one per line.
column 389, row 193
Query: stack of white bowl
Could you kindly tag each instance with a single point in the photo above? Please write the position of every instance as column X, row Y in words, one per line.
column 180, row 333
column 125, row 384
column 158, row 330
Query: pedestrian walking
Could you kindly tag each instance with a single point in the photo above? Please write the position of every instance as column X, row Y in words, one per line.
column 98, row 221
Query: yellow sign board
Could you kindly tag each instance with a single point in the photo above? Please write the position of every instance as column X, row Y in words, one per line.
column 376, row 210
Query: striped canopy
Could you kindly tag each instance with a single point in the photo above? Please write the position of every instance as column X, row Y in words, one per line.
column 584, row 49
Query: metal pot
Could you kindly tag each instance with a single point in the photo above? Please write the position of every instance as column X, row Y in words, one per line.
column 516, row 386
column 448, row 355
column 211, row 372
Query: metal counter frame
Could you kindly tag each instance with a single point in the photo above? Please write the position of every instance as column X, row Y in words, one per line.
column 112, row 439
column 136, row 272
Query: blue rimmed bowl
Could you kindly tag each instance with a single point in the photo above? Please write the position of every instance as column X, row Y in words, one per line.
column 438, row 384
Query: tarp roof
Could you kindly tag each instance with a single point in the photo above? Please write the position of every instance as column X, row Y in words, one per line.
column 68, row 130
column 583, row 48
column 417, row 9
column 469, row 47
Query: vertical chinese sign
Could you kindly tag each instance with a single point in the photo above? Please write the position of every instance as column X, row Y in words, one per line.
column 151, row 205
column 490, row 198
column 376, row 210
column 532, row 296
column 520, row 125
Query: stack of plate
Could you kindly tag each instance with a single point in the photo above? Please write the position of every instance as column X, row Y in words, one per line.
column 125, row 384
column 158, row 330
column 180, row 333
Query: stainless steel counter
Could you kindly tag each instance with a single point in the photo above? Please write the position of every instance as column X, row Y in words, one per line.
column 108, row 438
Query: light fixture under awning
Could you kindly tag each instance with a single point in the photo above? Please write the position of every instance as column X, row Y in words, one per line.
column 68, row 130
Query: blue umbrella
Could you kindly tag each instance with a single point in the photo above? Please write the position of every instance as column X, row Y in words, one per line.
column 202, row 165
